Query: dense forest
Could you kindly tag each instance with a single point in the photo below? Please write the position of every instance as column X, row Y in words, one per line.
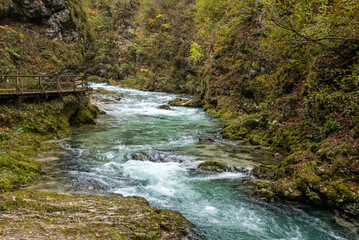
column 283, row 75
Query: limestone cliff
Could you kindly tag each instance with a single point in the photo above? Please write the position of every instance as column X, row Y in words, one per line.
column 59, row 17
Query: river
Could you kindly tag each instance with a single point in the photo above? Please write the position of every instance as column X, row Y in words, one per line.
column 170, row 145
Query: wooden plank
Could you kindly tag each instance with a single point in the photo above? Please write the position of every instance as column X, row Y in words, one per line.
column 56, row 82
column 8, row 89
column 6, row 84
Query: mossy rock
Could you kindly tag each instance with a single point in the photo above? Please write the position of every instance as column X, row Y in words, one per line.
column 263, row 172
column 84, row 115
column 94, row 78
column 213, row 166
column 264, row 195
column 36, row 215
column 112, row 82
column 107, row 92
column 186, row 103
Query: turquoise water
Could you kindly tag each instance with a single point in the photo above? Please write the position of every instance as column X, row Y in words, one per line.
column 100, row 159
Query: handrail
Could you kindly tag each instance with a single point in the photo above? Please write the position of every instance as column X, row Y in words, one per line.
column 42, row 84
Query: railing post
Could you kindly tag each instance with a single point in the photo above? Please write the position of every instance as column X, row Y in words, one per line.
column 18, row 91
column 86, row 83
column 18, row 87
column 41, row 86
column 75, row 87
column 57, row 85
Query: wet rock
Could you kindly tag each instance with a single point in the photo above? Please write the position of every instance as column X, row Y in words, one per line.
column 140, row 158
column 165, row 107
column 212, row 166
column 263, row 172
column 347, row 221
column 314, row 198
column 85, row 114
column 206, row 140
column 186, row 103
column 351, row 208
column 264, row 195
column 112, row 82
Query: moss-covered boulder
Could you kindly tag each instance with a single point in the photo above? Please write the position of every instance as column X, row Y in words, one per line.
column 37, row 215
column 304, row 177
column 186, row 102
column 213, row 166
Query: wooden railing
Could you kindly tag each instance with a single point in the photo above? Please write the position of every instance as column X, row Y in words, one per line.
column 23, row 85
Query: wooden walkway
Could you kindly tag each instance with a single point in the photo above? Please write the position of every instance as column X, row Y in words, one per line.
column 27, row 86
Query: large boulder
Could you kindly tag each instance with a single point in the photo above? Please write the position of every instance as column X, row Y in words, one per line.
column 186, row 102
column 36, row 10
column 60, row 27
column 53, row 14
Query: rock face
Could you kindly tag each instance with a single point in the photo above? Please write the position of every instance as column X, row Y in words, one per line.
column 60, row 27
column 53, row 14
column 34, row 10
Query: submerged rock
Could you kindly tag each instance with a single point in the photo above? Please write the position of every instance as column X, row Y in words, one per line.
column 165, row 107
column 87, row 217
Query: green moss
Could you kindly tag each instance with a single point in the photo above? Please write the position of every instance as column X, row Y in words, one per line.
column 86, row 217
column 24, row 130
column 211, row 164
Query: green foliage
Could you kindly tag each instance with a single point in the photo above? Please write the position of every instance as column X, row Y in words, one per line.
column 23, row 131
column 196, row 53
column 284, row 73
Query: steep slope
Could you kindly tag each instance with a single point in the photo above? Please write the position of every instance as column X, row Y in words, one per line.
column 42, row 36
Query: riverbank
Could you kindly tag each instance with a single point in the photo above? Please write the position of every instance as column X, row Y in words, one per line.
column 139, row 149
column 23, row 130
column 38, row 215
column 32, row 214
